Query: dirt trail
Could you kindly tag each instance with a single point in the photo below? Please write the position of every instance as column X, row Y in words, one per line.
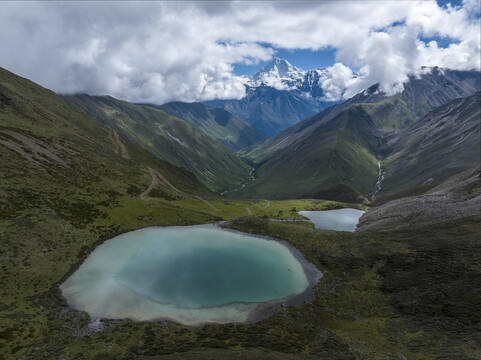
column 155, row 175
column 268, row 204
column 151, row 186
column 123, row 149
column 167, row 182
column 208, row 203
column 249, row 212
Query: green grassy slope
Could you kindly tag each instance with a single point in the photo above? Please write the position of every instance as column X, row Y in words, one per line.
column 169, row 138
column 419, row 97
column 441, row 144
column 219, row 124
column 342, row 150
column 290, row 163
column 42, row 134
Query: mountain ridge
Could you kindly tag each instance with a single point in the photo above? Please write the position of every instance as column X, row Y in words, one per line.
column 278, row 73
column 229, row 129
column 417, row 98
column 278, row 96
column 440, row 145
column 169, row 138
column 357, row 141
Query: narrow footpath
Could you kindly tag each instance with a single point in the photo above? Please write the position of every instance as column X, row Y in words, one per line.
column 155, row 176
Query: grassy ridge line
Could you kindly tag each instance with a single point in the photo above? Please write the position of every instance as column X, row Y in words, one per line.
column 443, row 143
column 341, row 151
column 229, row 129
column 169, row 138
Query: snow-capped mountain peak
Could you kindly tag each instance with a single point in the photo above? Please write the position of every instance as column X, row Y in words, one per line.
column 281, row 75
column 282, row 69
column 278, row 73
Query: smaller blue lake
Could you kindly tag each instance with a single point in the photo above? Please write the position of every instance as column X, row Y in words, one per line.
column 339, row 220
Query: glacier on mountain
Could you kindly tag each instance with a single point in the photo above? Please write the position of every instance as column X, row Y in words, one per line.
column 323, row 84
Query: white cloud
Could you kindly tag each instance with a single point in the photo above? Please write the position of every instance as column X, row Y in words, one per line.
column 163, row 51
column 337, row 80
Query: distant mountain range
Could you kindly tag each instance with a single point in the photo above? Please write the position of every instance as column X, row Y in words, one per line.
column 281, row 75
column 342, row 144
column 278, row 96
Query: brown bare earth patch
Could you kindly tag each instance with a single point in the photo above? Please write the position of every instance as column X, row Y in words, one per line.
column 29, row 148
column 120, row 148
column 152, row 184
column 155, row 175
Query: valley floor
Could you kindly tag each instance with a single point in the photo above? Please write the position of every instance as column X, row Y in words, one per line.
column 412, row 293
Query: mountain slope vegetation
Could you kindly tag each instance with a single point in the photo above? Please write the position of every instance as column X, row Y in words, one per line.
column 219, row 124
column 290, row 164
column 340, row 151
column 443, row 143
column 53, row 140
column 169, row 138
column 419, row 97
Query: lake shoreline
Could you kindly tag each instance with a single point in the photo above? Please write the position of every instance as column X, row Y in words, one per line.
column 255, row 311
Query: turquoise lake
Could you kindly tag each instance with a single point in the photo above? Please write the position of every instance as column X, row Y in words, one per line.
column 339, row 220
column 190, row 274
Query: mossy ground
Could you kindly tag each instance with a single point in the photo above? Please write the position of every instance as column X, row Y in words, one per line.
column 40, row 249
column 389, row 295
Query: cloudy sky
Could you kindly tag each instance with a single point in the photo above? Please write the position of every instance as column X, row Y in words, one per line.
column 192, row 51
